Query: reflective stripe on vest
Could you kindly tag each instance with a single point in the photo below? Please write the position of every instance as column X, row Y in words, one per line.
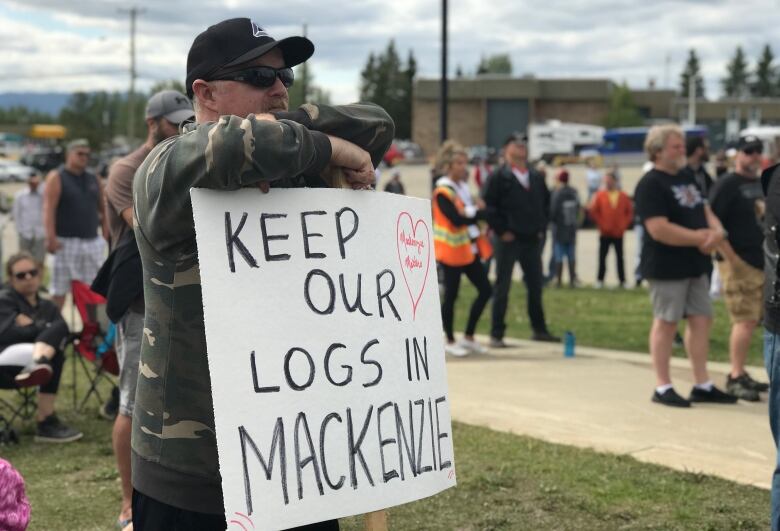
column 452, row 244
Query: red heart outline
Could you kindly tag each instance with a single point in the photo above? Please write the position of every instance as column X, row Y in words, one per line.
column 415, row 301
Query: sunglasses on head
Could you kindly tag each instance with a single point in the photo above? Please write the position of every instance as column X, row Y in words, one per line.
column 753, row 151
column 22, row 275
column 261, row 76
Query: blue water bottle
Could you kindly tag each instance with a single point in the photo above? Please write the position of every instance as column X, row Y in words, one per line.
column 568, row 344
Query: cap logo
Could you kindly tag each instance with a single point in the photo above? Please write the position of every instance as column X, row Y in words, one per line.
column 257, row 31
column 181, row 100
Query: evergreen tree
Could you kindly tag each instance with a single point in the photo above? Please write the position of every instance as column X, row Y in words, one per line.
column 387, row 83
column 692, row 70
column 737, row 80
column 765, row 84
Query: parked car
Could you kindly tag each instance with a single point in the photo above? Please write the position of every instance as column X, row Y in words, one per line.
column 13, row 171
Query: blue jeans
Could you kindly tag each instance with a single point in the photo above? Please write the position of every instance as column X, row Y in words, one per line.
column 772, row 362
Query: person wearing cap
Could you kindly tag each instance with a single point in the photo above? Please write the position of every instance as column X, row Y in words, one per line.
column 165, row 111
column 612, row 212
column 565, row 216
column 72, row 215
column 770, row 183
column 680, row 233
column 243, row 136
column 738, row 202
column 517, row 202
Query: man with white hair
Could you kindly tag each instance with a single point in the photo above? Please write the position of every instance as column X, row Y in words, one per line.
column 681, row 232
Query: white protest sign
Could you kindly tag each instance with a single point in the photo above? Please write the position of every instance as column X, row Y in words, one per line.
column 324, row 337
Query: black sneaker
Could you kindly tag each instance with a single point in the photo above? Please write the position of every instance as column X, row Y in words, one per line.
column 741, row 387
column 38, row 374
column 497, row 342
column 714, row 395
column 670, row 398
column 51, row 430
column 110, row 409
column 546, row 337
column 761, row 387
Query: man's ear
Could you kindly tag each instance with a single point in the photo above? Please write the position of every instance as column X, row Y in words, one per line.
column 204, row 92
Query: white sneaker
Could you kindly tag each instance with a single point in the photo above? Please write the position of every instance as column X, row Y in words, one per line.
column 472, row 346
column 456, row 350
column 599, row 285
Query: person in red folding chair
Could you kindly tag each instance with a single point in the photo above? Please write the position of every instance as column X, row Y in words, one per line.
column 32, row 337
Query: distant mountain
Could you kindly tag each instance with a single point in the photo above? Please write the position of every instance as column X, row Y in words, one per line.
column 48, row 102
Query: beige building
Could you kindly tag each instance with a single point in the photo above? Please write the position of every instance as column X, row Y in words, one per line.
column 486, row 109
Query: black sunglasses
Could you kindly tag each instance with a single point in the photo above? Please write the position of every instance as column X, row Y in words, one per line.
column 21, row 275
column 261, row 76
column 753, row 151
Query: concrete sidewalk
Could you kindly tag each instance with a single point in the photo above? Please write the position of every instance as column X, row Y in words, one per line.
column 601, row 399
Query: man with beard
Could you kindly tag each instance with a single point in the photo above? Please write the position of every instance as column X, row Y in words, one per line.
column 738, row 201
column 697, row 151
column 164, row 112
column 681, row 232
column 238, row 76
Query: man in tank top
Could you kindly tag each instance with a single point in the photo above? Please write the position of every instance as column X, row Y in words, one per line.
column 72, row 214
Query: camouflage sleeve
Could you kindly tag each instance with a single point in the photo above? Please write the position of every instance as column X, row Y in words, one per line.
column 226, row 155
column 364, row 124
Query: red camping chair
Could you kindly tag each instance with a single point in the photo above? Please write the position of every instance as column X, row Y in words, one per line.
column 96, row 366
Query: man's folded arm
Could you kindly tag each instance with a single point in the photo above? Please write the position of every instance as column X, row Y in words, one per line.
column 364, row 124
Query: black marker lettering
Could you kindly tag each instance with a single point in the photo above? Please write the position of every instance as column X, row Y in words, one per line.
column 344, row 239
column 294, row 386
column 323, row 427
column 232, row 240
column 277, row 440
column 358, row 305
column 312, row 457
column 354, row 447
column 385, row 295
column 328, row 354
column 441, row 435
column 266, row 238
column 364, row 361
column 307, row 234
column 258, row 389
column 331, row 292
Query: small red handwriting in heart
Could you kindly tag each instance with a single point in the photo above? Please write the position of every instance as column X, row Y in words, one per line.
column 414, row 255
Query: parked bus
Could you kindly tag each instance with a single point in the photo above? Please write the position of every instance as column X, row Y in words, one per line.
column 631, row 140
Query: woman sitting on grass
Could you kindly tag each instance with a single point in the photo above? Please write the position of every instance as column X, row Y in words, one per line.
column 32, row 336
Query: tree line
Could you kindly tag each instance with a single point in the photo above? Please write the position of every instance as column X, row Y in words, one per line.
column 762, row 80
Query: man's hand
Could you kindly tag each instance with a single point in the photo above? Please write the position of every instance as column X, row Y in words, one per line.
column 711, row 240
column 53, row 244
column 355, row 162
column 480, row 204
column 508, row 237
column 23, row 320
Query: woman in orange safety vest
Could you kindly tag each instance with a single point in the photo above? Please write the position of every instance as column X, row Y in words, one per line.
column 459, row 245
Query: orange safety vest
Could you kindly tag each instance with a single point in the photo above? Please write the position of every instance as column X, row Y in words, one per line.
column 452, row 244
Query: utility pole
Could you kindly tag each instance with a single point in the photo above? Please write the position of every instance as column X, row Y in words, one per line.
column 691, row 99
column 443, row 96
column 133, row 12
column 304, row 71
column 667, row 63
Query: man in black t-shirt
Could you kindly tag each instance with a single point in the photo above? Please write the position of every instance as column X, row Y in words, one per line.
column 738, row 202
column 680, row 233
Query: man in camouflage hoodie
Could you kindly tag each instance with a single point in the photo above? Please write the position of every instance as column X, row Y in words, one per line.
column 244, row 136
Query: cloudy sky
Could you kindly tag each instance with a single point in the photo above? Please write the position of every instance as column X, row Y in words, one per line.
column 68, row 45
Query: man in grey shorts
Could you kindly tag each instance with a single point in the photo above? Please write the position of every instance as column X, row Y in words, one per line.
column 165, row 110
column 680, row 234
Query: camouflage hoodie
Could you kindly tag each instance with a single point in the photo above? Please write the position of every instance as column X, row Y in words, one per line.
column 174, row 454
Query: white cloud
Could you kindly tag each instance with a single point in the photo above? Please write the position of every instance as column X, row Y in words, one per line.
column 618, row 39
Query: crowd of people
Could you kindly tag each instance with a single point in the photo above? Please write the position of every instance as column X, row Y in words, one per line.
column 136, row 237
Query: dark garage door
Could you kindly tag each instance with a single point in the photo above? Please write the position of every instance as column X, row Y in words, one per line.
column 504, row 118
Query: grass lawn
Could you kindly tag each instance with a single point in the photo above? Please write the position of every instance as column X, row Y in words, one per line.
column 504, row 482
column 608, row 318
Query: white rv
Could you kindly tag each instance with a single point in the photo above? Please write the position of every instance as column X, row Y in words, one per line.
column 553, row 138
column 770, row 137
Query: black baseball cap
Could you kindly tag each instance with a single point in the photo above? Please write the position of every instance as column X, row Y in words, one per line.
column 749, row 142
column 235, row 41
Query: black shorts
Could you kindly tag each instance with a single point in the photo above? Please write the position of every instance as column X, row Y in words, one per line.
column 152, row 515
